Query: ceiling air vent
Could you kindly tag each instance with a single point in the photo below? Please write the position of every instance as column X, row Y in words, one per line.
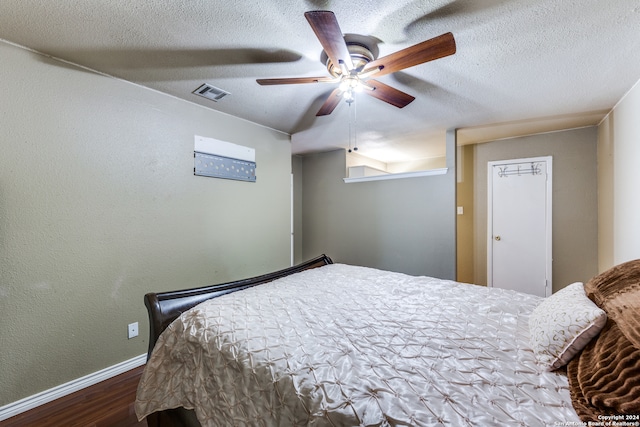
column 211, row 92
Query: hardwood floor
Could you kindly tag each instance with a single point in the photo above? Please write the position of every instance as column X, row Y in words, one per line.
column 106, row 404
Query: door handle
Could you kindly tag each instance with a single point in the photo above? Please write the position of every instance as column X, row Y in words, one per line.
column 497, row 238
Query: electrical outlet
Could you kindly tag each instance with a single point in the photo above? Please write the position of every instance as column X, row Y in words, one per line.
column 133, row 330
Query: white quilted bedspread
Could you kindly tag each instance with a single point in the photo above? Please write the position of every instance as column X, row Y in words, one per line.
column 352, row 346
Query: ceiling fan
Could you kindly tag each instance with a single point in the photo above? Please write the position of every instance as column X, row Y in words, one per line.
column 352, row 64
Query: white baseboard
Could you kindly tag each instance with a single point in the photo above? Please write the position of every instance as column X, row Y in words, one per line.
column 31, row 402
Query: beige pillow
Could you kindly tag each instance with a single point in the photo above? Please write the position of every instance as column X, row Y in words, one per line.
column 563, row 324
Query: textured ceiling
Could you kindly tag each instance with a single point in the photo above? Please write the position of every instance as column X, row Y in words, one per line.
column 521, row 66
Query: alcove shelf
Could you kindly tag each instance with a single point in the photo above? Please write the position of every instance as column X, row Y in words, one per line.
column 401, row 175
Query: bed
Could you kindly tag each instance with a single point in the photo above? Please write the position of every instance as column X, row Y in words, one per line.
column 328, row 344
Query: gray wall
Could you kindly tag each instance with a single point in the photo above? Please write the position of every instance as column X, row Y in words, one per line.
column 296, row 167
column 405, row 225
column 99, row 205
column 574, row 198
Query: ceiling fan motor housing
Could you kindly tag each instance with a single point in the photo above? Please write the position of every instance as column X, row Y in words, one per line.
column 360, row 56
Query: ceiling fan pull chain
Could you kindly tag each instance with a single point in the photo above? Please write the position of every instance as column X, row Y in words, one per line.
column 350, row 128
column 355, row 120
column 352, row 125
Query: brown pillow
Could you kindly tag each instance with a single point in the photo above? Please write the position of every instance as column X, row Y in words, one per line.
column 604, row 378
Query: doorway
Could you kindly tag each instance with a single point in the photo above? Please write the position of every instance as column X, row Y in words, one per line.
column 519, row 225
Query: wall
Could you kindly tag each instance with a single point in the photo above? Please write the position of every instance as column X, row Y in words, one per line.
column 465, row 237
column 618, row 182
column 405, row 225
column 574, row 198
column 99, row 205
column 296, row 166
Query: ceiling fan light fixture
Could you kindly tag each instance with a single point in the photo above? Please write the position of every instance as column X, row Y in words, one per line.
column 350, row 83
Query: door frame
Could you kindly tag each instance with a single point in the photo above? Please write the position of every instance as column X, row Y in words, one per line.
column 548, row 217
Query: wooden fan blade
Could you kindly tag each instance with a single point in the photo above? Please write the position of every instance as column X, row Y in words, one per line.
column 331, row 103
column 295, row 80
column 325, row 25
column 435, row 48
column 388, row 94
